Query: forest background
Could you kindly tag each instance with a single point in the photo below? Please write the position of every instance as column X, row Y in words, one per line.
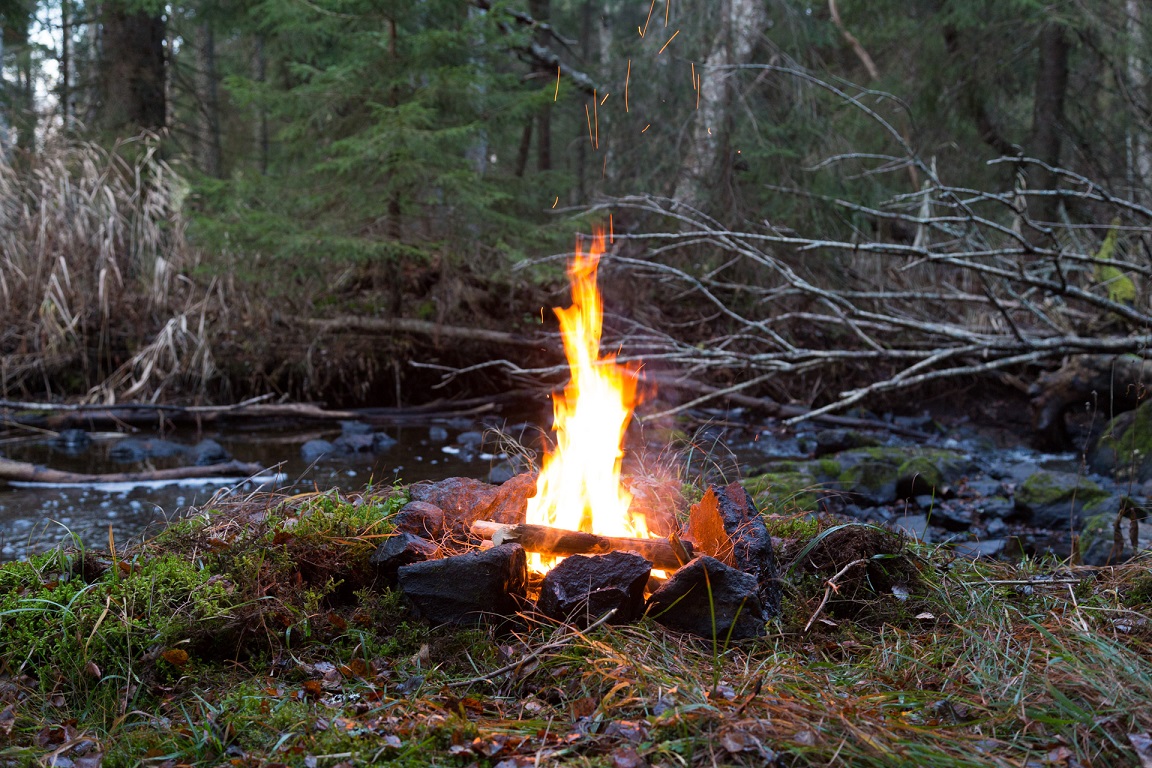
column 355, row 199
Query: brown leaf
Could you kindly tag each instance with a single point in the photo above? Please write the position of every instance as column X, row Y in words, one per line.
column 706, row 529
column 177, row 657
column 583, row 707
column 736, row 742
column 627, row 757
column 337, row 621
column 313, row 689
column 92, row 670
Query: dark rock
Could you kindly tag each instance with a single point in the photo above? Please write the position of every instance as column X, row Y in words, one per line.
column 420, row 518
column 350, row 428
column 982, row 487
column 952, row 516
column 995, row 506
column 1110, row 538
column 467, row 589
column 315, row 450
column 474, row 439
column 583, row 588
column 133, row 449
column 995, row 526
column 830, row 441
column 208, row 452
column 711, row 600
column 1122, row 451
column 1059, row 499
column 882, row 475
column 382, row 441
column 402, row 549
column 438, row 434
column 502, row 472
column 978, row 549
column 463, row 499
column 914, row 526
column 751, row 544
column 355, row 443
column 73, row 441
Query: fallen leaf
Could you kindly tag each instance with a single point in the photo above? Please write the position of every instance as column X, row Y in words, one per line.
column 313, row 689
column 92, row 670
column 177, row 657
column 627, row 757
column 736, row 742
column 1142, row 743
column 926, row 616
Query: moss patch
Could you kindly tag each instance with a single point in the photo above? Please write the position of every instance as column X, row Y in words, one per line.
column 784, row 492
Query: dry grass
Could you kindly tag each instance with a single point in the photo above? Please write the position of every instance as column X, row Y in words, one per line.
column 93, row 295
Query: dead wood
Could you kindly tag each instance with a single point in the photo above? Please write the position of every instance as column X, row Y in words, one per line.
column 23, row 472
column 559, row 542
column 424, row 328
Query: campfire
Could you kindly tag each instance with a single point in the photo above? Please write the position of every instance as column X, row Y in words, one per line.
column 575, row 524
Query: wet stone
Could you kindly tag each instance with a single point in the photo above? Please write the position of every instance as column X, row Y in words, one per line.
column 354, row 443
column 583, row 588
column 711, row 600
column 829, row 441
column 913, row 526
column 953, row 517
column 468, row 588
column 420, row 518
column 995, row 506
column 314, row 450
column 978, row 549
column 73, row 441
column 133, row 450
column 349, row 428
column 402, row 549
column 208, row 452
column 382, row 441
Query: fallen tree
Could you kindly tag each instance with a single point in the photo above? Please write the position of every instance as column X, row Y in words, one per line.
column 23, row 472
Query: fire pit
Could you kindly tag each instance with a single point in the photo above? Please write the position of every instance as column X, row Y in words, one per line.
column 571, row 536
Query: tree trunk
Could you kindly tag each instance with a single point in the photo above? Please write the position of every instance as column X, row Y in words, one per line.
column 209, row 102
column 1048, row 117
column 65, row 64
column 1139, row 144
column 260, row 74
column 132, row 69
column 541, row 11
column 706, row 172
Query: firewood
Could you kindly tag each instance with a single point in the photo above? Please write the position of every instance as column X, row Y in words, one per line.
column 545, row 540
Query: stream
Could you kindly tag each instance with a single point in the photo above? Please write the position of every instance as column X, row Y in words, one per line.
column 712, row 443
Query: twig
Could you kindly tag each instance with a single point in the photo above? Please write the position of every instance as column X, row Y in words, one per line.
column 830, row 588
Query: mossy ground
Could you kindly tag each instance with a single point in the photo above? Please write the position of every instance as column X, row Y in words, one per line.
column 256, row 636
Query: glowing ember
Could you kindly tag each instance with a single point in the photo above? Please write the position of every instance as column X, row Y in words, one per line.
column 579, row 487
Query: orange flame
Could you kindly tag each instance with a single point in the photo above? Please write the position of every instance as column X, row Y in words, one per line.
column 579, row 486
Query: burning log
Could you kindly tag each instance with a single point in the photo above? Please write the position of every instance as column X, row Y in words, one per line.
column 668, row 554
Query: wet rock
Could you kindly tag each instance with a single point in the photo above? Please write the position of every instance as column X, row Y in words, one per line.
column 583, row 588
column 830, row 441
column 989, row 548
column 420, row 518
column 350, row 428
column 913, row 526
column 982, row 487
column 950, row 515
column 726, row 525
column 711, row 600
column 1124, row 449
column 1110, row 538
column 502, row 472
column 382, row 441
column 473, row 439
column 315, row 450
column 402, row 549
column 463, row 499
column 133, row 449
column 995, row 526
column 354, row 443
column 882, row 475
column 510, row 504
column 208, row 452
column 73, row 441
column 438, row 434
column 1059, row 499
column 995, row 506
column 469, row 588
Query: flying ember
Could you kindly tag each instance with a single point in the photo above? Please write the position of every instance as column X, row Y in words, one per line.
column 579, row 486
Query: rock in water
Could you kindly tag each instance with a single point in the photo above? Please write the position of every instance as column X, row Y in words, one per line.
column 208, row 452
column 711, row 600
column 402, row 549
column 468, row 588
column 315, row 450
column 583, row 588
column 751, row 543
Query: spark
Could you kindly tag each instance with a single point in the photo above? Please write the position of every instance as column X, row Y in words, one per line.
column 650, row 7
column 596, row 114
column 611, row 230
column 557, row 94
column 604, row 99
column 627, row 80
column 667, row 7
column 669, row 42
column 556, row 201
column 588, row 116
column 646, row 127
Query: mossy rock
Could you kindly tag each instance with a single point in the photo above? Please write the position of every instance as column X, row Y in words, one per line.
column 881, row 475
column 1060, row 499
column 784, row 492
column 1124, row 450
column 1105, row 540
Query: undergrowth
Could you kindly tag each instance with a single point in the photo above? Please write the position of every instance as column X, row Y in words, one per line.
column 255, row 634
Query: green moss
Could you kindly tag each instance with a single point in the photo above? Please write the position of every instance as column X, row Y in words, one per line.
column 827, row 468
column 1044, row 489
column 783, row 492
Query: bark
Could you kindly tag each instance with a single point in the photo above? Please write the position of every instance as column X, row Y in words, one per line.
column 1048, row 116
column 541, row 11
column 706, row 170
column 23, row 472
column 1139, row 144
column 260, row 71
column 209, row 102
column 133, row 69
